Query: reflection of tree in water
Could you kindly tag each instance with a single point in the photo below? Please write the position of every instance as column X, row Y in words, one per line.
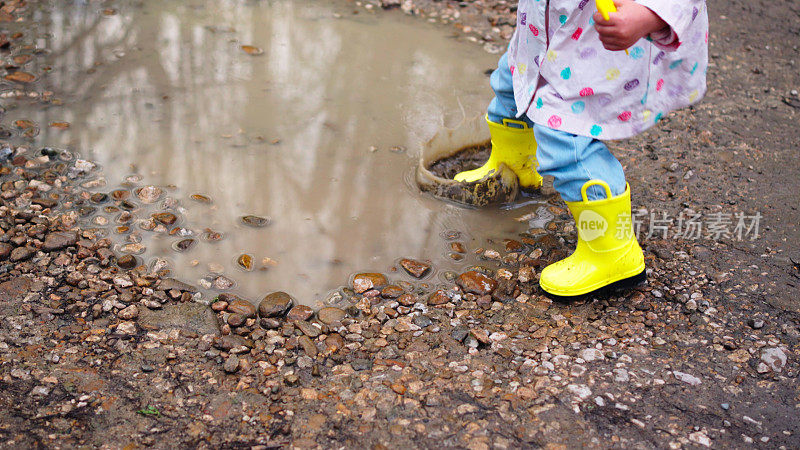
column 114, row 72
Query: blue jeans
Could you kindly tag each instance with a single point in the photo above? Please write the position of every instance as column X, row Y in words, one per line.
column 570, row 159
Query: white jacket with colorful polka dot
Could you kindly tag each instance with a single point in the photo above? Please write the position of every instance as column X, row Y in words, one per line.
column 565, row 79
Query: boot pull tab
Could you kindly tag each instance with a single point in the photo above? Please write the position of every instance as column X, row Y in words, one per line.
column 589, row 183
column 518, row 123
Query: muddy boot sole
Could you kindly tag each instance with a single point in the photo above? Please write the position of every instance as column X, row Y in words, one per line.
column 624, row 284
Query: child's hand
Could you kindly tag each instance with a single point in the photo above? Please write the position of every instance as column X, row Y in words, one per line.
column 630, row 23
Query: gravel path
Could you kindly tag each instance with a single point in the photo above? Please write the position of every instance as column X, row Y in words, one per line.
column 97, row 350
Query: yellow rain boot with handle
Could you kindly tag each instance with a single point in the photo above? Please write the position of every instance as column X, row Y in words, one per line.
column 515, row 147
column 607, row 252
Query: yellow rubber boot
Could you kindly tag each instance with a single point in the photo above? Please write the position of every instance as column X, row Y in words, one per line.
column 607, row 250
column 516, row 147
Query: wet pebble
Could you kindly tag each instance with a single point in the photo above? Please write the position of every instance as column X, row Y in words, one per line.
column 275, row 304
column 392, row 291
column 201, row 198
column 242, row 307
column 20, row 254
column 127, row 262
column 59, row 240
column 307, row 329
column 167, row 218
column 245, row 262
column 231, row 364
column 149, row 194
column 366, row 281
column 223, row 283
column 184, row 245
column 415, row 268
column 330, row 314
column 300, row 312
column 476, row 283
column 255, row 221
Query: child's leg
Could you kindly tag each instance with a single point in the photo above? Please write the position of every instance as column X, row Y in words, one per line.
column 503, row 105
column 513, row 143
column 607, row 251
column 573, row 160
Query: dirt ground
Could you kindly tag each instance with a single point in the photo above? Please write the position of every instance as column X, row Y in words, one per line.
column 98, row 351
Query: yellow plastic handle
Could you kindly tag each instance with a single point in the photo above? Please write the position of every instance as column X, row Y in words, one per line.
column 521, row 123
column 605, row 7
column 589, row 183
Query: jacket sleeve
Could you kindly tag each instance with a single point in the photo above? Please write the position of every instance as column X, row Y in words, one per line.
column 679, row 15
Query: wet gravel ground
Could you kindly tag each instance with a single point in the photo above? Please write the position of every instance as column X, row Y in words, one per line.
column 97, row 350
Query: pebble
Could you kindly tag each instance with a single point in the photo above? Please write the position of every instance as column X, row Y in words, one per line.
column 415, row 268
column 299, row 312
column 127, row 262
column 308, row 346
column 363, row 282
column 130, row 312
column 275, row 304
column 149, row 194
column 243, row 307
column 223, row 283
column 590, row 354
column 476, row 283
column 20, row 254
column 231, row 364
column 330, row 314
column 687, row 378
column 255, row 221
column 166, row 218
column 59, row 240
column 775, row 358
column 245, row 262
column 184, row 244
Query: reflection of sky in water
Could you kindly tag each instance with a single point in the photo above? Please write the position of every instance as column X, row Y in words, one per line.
column 164, row 90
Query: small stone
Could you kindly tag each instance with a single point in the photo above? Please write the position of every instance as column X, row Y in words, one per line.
column 415, row 268
column 236, row 320
column 459, row 334
column 392, row 291
column 133, row 248
column 579, row 390
column 130, row 312
column 5, row 250
column 201, row 198
column 406, row 299
column 687, row 378
column 126, row 328
column 476, row 283
column 255, row 221
column 775, row 358
column 439, row 297
column 308, row 346
column 590, row 354
column 241, row 306
column 330, row 314
column 245, row 262
column 755, row 324
column 360, row 364
column 366, row 281
column 299, row 312
column 20, row 254
column 184, row 245
column 698, row 437
column 307, row 329
column 59, row 240
column 166, row 218
column 127, row 262
column 231, row 364
column 621, row 375
column 223, row 283
column 422, row 321
column 275, row 304
column 149, row 194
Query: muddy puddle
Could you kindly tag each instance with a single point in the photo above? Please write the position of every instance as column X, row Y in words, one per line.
column 299, row 112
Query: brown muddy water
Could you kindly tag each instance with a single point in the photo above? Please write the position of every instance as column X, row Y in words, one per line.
column 317, row 128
